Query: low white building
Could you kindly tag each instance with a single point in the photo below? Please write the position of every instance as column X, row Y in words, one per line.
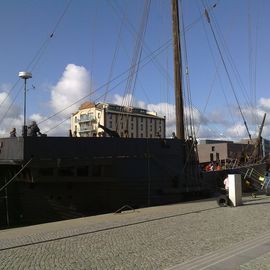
column 126, row 121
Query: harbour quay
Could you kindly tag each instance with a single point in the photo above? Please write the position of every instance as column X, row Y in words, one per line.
column 191, row 235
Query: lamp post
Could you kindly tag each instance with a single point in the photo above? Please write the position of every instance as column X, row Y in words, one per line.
column 24, row 75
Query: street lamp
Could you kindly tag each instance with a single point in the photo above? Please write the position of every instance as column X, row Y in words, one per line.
column 24, row 75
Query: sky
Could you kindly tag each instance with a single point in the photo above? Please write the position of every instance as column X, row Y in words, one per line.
column 86, row 50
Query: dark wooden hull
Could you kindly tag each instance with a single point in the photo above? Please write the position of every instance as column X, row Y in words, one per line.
column 71, row 177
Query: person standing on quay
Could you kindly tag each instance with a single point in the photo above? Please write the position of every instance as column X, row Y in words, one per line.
column 13, row 133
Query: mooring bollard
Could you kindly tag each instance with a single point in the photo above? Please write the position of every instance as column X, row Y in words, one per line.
column 233, row 195
column 235, row 189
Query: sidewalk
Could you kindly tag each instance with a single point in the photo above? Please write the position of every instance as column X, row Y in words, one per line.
column 193, row 235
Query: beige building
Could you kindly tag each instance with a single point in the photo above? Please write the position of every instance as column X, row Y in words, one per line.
column 222, row 151
column 126, row 121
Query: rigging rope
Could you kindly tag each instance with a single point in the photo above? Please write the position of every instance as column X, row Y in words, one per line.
column 33, row 63
column 8, row 93
column 143, row 63
column 229, row 58
column 122, row 13
column 226, row 70
column 146, row 47
column 253, row 56
column 13, row 101
column 115, row 55
column 9, row 181
column 217, row 75
column 133, row 73
column 45, row 44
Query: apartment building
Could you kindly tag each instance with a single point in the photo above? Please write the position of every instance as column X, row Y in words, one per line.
column 128, row 122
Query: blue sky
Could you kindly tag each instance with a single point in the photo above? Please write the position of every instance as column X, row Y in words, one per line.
column 79, row 58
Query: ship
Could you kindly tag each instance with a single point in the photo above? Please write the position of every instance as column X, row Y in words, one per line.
column 44, row 179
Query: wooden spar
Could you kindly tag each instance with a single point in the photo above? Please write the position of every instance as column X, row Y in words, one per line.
column 261, row 127
column 257, row 154
column 179, row 107
column 257, row 151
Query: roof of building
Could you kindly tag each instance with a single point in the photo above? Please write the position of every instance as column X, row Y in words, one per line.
column 118, row 109
column 87, row 105
column 127, row 109
column 209, row 141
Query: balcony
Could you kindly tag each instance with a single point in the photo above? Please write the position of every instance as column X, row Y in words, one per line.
column 86, row 129
column 87, row 118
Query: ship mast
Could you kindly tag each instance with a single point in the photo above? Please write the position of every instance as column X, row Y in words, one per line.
column 179, row 107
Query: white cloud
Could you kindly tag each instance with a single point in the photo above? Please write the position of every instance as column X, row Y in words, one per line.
column 117, row 99
column 128, row 100
column 237, row 131
column 264, row 103
column 74, row 84
column 219, row 117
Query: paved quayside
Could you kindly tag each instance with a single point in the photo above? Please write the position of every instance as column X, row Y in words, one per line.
column 192, row 235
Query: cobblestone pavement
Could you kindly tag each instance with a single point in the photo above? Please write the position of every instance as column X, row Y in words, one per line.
column 150, row 238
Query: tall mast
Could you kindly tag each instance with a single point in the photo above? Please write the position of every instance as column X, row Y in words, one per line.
column 179, row 107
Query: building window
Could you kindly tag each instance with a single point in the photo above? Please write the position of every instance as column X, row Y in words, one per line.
column 110, row 124
column 131, row 125
column 110, row 116
column 82, row 171
column 102, row 170
column 217, row 156
column 66, row 171
column 213, row 148
column 76, row 119
column 141, row 126
column 83, row 117
column 131, row 135
column 46, row 171
column 211, row 157
column 97, row 170
column 141, row 135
